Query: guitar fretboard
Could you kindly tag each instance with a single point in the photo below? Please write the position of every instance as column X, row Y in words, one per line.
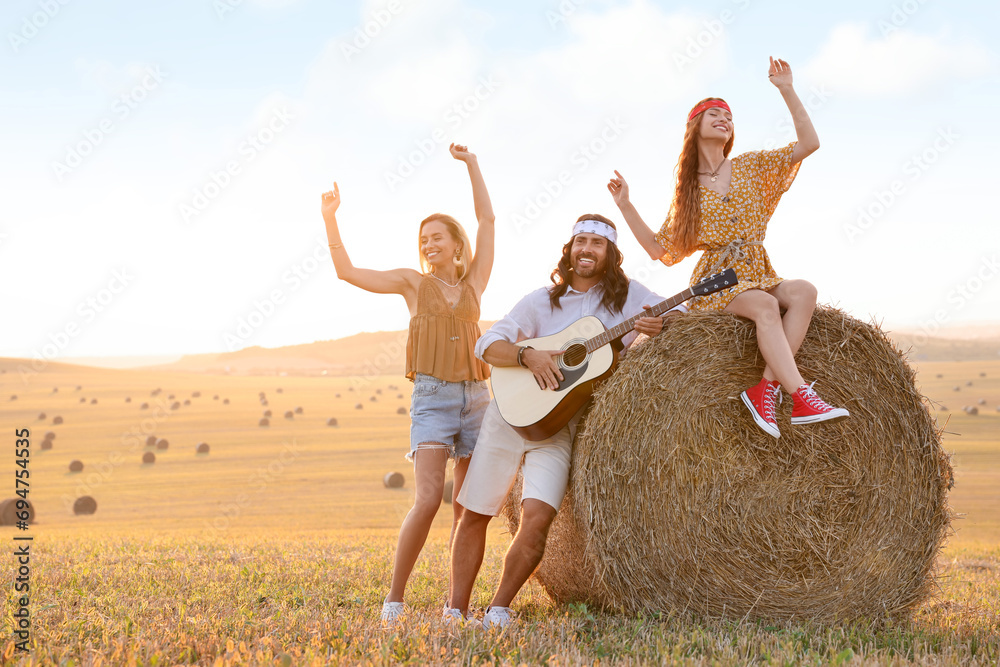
column 620, row 330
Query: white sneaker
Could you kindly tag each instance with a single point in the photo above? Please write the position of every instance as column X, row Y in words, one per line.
column 497, row 617
column 392, row 613
column 454, row 615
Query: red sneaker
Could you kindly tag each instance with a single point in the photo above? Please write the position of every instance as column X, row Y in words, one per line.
column 759, row 399
column 808, row 407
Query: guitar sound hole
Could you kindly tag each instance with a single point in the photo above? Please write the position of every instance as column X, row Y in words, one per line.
column 574, row 355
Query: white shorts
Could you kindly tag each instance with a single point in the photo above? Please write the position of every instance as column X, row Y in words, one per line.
column 498, row 455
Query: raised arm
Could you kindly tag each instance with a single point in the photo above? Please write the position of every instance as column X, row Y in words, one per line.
column 396, row 281
column 482, row 262
column 643, row 234
column 780, row 74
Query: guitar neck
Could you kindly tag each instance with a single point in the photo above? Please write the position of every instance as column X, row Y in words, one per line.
column 619, row 330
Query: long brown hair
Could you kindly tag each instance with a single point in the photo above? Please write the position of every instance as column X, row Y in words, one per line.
column 684, row 218
column 614, row 281
column 457, row 233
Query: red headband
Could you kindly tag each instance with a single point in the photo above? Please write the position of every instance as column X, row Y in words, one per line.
column 708, row 105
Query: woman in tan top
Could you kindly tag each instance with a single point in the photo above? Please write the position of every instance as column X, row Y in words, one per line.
column 449, row 389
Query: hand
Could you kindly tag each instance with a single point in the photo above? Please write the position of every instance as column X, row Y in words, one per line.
column 542, row 365
column 780, row 73
column 649, row 325
column 618, row 189
column 331, row 202
column 461, row 153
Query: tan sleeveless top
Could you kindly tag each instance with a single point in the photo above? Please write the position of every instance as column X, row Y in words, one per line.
column 442, row 339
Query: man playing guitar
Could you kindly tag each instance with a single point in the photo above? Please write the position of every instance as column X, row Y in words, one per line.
column 587, row 281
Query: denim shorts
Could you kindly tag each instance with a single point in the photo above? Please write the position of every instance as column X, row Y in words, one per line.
column 447, row 413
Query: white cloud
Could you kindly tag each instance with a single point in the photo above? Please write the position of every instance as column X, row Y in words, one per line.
column 855, row 61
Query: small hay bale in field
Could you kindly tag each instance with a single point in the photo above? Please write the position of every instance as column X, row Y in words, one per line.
column 399, row 396
column 350, row 389
column 402, row 411
column 162, row 443
column 969, row 383
column 175, row 405
column 76, row 465
column 971, row 409
column 83, row 399
column 449, row 490
column 151, row 441
column 264, row 403
column 289, row 414
column 393, row 480
column 678, row 501
column 41, row 416
column 85, row 505
column 149, row 457
column 372, row 399
column 280, row 390
column 225, row 401
column 170, row 397
column 9, row 511
column 956, row 388
column 337, row 396
column 187, row 401
column 79, row 387
column 359, row 406
column 981, row 401
column 982, row 375
column 267, row 413
column 264, row 421
column 55, row 390
column 46, row 445
column 940, row 375
column 202, row 448
column 261, row 394
column 93, row 401
column 942, row 408
column 155, row 392
column 50, row 435
column 215, row 398
column 196, row 394
column 144, row 406
column 332, row 421
column 378, row 391
column 298, row 410
column 57, row 420
column 13, row 397
column 128, row 399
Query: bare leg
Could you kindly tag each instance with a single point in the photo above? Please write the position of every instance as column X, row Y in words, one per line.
column 798, row 299
column 467, row 557
column 526, row 551
column 429, row 468
column 763, row 309
column 461, row 467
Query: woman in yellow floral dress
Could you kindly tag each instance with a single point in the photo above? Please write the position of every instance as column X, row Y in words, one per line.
column 722, row 207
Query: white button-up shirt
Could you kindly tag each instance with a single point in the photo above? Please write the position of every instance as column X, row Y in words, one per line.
column 533, row 316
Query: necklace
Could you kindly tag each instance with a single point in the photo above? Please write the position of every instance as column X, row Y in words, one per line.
column 447, row 283
column 715, row 173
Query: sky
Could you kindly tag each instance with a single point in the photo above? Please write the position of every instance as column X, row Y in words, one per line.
column 162, row 163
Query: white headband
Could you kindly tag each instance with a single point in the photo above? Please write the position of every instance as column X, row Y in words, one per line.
column 596, row 227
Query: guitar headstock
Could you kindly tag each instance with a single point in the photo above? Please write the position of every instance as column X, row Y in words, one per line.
column 715, row 283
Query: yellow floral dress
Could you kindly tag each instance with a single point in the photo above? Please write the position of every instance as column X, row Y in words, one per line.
column 733, row 226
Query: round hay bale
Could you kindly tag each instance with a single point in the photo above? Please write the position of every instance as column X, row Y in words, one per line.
column 280, row 390
column 187, row 401
column 85, row 505
column 144, row 406
column 93, row 401
column 41, row 416
column 940, row 375
column 677, row 500
column 969, row 383
column 289, row 414
column 267, row 413
column 298, row 410
column 350, row 389
column 128, row 399
column 9, row 511
column 393, row 480
column 155, row 392
column 151, row 441
column 402, row 411
column 79, row 387
column 399, row 396
column 337, row 396
column 215, row 398
column 982, row 375
column 57, row 420
column 378, row 391
column 76, row 466
column 170, row 397
column 202, row 448
column 225, row 401
column 46, row 445
column 50, row 435
column 264, row 421
column 264, row 403
column 162, row 443
column 196, row 394
column 359, row 406
column 261, row 394
column 956, row 388
column 942, row 408
column 149, row 457
column 13, row 397
column 449, row 490
column 55, row 390
column 175, row 405
column 332, row 421
column 981, row 401
column 972, row 410
column 83, row 399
